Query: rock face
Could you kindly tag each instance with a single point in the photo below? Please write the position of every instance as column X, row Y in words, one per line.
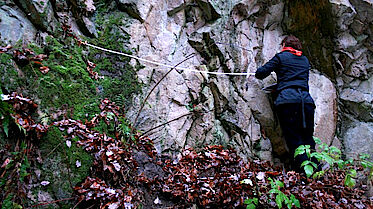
column 229, row 36
column 324, row 94
column 357, row 137
column 14, row 25
column 230, row 110
column 313, row 22
column 40, row 13
column 354, row 64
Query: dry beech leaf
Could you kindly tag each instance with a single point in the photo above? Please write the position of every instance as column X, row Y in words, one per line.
column 5, row 163
column 68, row 143
column 44, row 69
column 44, row 183
column 78, row 163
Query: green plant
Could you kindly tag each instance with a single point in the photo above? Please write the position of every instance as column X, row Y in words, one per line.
column 350, row 178
column 9, row 204
column 280, row 196
column 251, row 203
column 307, row 164
column 330, row 155
column 367, row 165
column 125, row 131
column 5, row 111
column 333, row 157
column 15, row 170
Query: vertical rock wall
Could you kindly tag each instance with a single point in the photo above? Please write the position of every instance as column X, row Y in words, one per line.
column 354, row 68
column 227, row 36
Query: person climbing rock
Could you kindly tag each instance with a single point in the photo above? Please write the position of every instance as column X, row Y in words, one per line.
column 294, row 105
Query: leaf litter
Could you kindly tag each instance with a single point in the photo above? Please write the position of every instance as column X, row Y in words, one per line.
column 128, row 172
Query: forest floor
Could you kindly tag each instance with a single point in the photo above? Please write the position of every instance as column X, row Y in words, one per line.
column 127, row 172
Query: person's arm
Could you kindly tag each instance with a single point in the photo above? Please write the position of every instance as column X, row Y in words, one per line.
column 266, row 69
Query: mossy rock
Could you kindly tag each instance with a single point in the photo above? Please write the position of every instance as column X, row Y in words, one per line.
column 68, row 91
column 312, row 22
column 67, row 87
column 60, row 167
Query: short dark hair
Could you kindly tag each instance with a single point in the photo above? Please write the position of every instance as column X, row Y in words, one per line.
column 292, row 41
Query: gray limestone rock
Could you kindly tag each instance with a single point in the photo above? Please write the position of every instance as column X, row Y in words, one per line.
column 14, row 26
column 358, row 100
column 324, row 94
column 358, row 139
column 40, row 13
column 130, row 7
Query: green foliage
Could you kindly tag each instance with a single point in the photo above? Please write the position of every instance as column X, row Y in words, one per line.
column 109, row 26
column 333, row 157
column 303, row 149
column 55, row 146
column 124, row 128
column 349, row 179
column 280, row 196
column 251, row 203
column 9, row 204
column 5, row 111
column 59, row 166
column 120, row 80
column 20, row 162
column 68, row 85
column 16, row 169
column 366, row 164
column 68, row 81
column 8, row 73
column 68, row 91
column 25, row 165
column 330, row 155
column 364, row 161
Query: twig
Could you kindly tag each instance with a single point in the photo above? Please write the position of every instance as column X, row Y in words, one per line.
column 144, row 134
column 91, row 206
column 78, row 203
column 147, row 96
column 52, row 202
column 53, row 149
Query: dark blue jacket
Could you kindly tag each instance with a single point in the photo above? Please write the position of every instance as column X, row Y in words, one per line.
column 292, row 77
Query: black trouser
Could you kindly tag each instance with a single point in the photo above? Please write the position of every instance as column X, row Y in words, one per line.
column 295, row 133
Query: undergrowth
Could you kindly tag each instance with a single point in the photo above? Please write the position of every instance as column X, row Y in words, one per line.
column 126, row 170
column 331, row 158
column 56, row 74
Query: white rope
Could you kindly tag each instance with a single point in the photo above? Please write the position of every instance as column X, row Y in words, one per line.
column 165, row 65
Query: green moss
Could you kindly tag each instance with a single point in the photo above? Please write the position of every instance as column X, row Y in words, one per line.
column 68, row 84
column 54, row 140
column 69, row 90
column 312, row 22
column 7, row 71
column 59, row 166
column 120, row 78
